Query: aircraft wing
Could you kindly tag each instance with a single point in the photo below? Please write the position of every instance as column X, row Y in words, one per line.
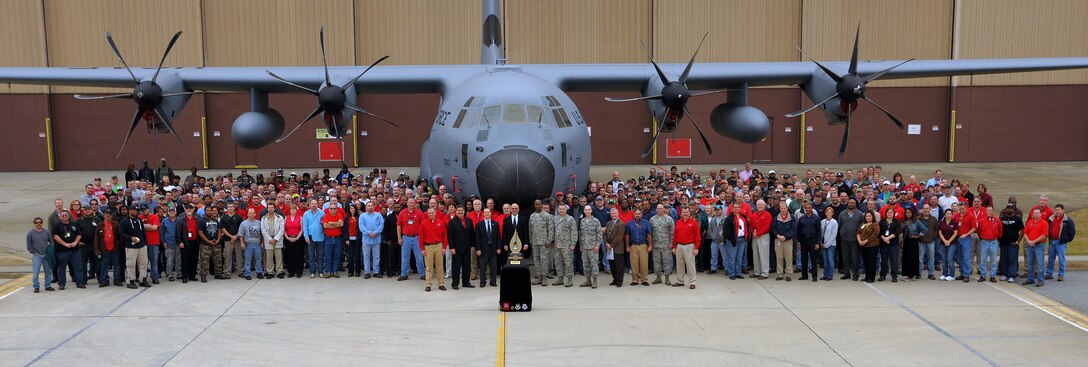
column 633, row 77
column 380, row 79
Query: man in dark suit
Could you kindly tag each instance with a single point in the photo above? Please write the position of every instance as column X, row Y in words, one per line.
column 488, row 248
column 513, row 224
column 459, row 234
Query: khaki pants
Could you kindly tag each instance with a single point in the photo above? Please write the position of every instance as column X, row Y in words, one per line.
column 233, row 256
column 474, row 266
column 639, row 263
column 434, row 263
column 135, row 263
column 273, row 261
column 761, row 253
column 783, row 257
column 685, row 264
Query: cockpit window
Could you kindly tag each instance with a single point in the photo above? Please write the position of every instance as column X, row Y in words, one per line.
column 473, row 114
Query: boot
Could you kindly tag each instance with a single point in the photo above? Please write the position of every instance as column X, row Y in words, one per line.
column 594, row 283
column 570, row 281
column 536, row 281
column 658, row 279
column 559, row 280
column 587, row 283
column 543, row 281
column 667, row 281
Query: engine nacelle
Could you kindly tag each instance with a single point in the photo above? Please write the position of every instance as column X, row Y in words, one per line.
column 253, row 130
column 172, row 105
column 742, row 123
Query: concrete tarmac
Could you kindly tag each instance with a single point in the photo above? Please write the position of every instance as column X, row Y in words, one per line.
column 382, row 322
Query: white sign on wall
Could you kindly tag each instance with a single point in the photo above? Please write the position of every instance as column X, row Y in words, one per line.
column 914, row 129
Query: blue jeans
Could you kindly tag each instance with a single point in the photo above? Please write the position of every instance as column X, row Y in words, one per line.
column 1034, row 261
column 948, row 253
column 602, row 253
column 372, row 255
column 253, row 258
column 153, row 260
column 111, row 259
column 717, row 249
column 72, row 260
column 1056, row 249
column 925, row 256
column 314, row 252
column 39, row 264
column 965, row 256
column 1010, row 262
column 742, row 254
column 407, row 249
column 987, row 258
column 334, row 248
column 829, row 261
column 732, row 260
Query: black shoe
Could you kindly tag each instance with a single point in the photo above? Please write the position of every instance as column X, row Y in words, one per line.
column 492, row 284
column 118, row 284
column 145, row 284
column 81, row 286
column 634, row 283
column 184, row 280
column 844, row 277
column 468, row 285
column 646, row 284
column 280, row 275
column 854, row 278
column 203, row 279
column 366, row 276
column 36, row 290
column 49, row 289
column 102, row 285
column 402, row 278
column 248, row 277
column 712, row 272
column 805, row 277
column 455, row 287
column 482, row 284
column 131, row 285
column 959, row 277
column 966, row 280
column 814, row 279
column 895, row 280
column 379, row 275
column 881, row 279
column 154, row 281
column 732, row 277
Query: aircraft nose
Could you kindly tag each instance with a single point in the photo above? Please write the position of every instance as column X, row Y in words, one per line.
column 515, row 175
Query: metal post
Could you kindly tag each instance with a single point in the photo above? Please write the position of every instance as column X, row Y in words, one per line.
column 355, row 138
column 803, row 138
column 204, row 139
column 49, row 144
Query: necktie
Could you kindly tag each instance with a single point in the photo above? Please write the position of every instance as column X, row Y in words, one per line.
column 515, row 221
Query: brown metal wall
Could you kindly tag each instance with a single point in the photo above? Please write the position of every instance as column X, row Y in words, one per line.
column 21, row 145
column 22, row 37
column 1027, row 123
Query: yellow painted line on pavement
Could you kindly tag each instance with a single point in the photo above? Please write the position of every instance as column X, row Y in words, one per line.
column 500, row 342
column 1047, row 305
column 14, row 286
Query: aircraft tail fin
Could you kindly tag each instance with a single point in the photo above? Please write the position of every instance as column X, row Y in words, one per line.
column 491, row 50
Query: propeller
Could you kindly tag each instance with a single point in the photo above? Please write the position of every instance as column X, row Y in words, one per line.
column 147, row 94
column 674, row 95
column 850, row 88
column 331, row 99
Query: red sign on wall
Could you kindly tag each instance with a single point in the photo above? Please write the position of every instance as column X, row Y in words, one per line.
column 677, row 148
column 328, row 151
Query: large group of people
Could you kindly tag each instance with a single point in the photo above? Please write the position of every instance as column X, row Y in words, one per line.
column 671, row 224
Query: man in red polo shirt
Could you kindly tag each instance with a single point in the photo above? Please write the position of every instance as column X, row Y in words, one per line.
column 151, row 230
column 1044, row 207
column 408, row 225
column 333, row 223
column 433, row 245
column 761, row 243
column 1035, row 236
column 977, row 213
column 989, row 230
column 968, row 227
column 685, row 245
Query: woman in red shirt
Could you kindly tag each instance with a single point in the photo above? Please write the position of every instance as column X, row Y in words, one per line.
column 354, row 245
column 949, row 228
column 294, row 248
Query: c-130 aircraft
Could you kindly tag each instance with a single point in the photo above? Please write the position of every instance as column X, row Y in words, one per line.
column 510, row 132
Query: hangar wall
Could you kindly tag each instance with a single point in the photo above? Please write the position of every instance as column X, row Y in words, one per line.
column 990, row 110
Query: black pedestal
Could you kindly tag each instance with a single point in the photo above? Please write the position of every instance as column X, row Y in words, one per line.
column 515, row 291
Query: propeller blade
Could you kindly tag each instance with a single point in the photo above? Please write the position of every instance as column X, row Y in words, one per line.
column 854, row 56
column 324, row 61
column 339, row 137
column 684, row 76
column 170, row 126
column 895, row 120
column 700, row 130
column 131, row 128
column 830, row 73
column 164, row 54
column 122, row 95
column 845, row 134
column 109, row 39
column 610, row 99
column 189, row 93
column 712, row 92
column 308, row 118
column 653, row 140
column 660, row 74
column 368, row 113
column 801, row 112
column 872, row 77
column 346, row 85
column 284, row 81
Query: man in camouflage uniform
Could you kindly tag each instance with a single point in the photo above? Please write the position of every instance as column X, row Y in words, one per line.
column 590, row 235
column 211, row 235
column 542, row 238
column 663, row 227
column 566, row 237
